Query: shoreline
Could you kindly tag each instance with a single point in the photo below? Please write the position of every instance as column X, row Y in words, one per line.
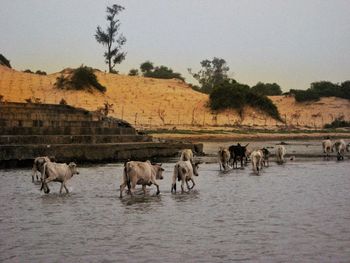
column 248, row 137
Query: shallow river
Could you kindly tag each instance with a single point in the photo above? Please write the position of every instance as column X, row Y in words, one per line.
column 296, row 212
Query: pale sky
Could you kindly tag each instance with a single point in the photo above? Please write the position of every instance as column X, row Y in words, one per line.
column 290, row 42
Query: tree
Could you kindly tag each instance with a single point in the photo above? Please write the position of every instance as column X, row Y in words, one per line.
column 146, row 67
column 4, row 61
column 111, row 38
column 212, row 74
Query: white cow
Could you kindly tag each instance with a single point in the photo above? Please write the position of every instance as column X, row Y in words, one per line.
column 280, row 152
column 327, row 147
column 184, row 172
column 340, row 147
column 57, row 172
column 140, row 173
column 257, row 158
column 38, row 166
column 224, row 158
column 186, row 155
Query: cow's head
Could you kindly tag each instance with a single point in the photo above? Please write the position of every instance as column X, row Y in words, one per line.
column 195, row 167
column 73, row 167
column 159, row 171
column 265, row 152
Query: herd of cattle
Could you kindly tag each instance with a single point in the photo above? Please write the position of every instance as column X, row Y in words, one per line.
column 147, row 173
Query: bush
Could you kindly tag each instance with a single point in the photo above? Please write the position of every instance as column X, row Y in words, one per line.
column 82, row 78
column 161, row 72
column 39, row 72
column 267, row 89
column 322, row 89
column 338, row 123
column 28, row 71
column 231, row 94
column 4, row 61
column 133, row 72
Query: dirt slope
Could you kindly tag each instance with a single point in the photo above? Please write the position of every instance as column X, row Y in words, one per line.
column 150, row 103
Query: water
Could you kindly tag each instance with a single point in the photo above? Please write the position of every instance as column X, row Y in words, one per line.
column 297, row 212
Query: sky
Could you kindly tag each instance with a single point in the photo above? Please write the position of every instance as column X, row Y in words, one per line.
column 290, row 42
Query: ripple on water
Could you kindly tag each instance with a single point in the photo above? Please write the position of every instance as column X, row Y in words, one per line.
column 295, row 212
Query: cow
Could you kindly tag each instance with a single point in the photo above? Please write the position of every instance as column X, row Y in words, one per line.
column 140, row 173
column 57, row 172
column 266, row 155
column 186, row 155
column 257, row 157
column 184, row 172
column 327, row 147
column 224, row 158
column 280, row 152
column 340, row 147
column 38, row 166
column 238, row 152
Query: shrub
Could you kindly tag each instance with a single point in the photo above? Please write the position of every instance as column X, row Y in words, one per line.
column 322, row 89
column 338, row 123
column 28, row 71
column 82, row 78
column 4, row 61
column 231, row 94
column 133, row 72
column 63, row 102
column 161, row 72
column 39, row 72
column 267, row 89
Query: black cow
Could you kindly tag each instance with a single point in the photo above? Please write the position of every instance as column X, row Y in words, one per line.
column 266, row 156
column 238, row 152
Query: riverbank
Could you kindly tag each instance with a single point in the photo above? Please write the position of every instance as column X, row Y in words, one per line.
column 247, row 135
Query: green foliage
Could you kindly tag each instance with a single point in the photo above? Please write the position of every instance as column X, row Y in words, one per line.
column 133, row 72
column 213, row 72
column 82, row 78
column 146, row 67
column 159, row 72
column 231, row 94
column 111, row 38
column 39, row 72
column 4, row 61
column 267, row 89
column 323, row 89
column 338, row 123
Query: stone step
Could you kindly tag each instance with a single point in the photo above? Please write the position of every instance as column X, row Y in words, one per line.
column 68, row 139
column 92, row 152
column 65, row 131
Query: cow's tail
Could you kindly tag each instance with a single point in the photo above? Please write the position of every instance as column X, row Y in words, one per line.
column 126, row 175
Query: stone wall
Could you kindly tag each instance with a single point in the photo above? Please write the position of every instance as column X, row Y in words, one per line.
column 29, row 130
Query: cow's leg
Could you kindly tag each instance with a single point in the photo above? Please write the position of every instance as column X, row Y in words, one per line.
column 144, row 189
column 193, row 184
column 122, row 187
column 153, row 181
column 62, row 183
column 45, row 182
column 183, row 185
column 65, row 187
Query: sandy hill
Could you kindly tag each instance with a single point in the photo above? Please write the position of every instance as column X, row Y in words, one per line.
column 150, row 103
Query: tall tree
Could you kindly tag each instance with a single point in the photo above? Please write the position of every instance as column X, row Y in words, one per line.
column 213, row 72
column 112, row 38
